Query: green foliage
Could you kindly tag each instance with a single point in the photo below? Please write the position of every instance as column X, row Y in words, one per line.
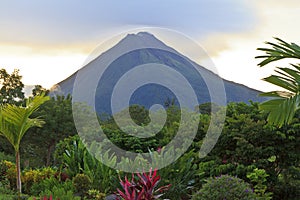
column 49, row 184
column 76, row 159
column 57, row 114
column 225, row 187
column 8, row 157
column 103, row 177
column 82, row 184
column 8, row 173
column 284, row 104
column 11, row 90
column 15, row 121
column 248, row 142
column 38, row 90
column 259, row 178
column 31, row 176
column 94, row 195
column 140, row 116
column 59, row 193
column 288, row 186
column 73, row 157
column 183, row 175
column 5, row 187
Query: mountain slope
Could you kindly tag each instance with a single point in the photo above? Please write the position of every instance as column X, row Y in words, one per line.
column 145, row 49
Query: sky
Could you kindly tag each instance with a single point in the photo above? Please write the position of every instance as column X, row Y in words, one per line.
column 50, row 40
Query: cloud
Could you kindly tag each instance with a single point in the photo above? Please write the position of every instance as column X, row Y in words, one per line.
column 229, row 30
column 234, row 52
column 56, row 22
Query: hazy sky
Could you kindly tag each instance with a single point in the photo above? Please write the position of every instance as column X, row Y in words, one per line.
column 49, row 40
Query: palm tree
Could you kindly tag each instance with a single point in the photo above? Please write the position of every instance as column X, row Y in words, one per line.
column 284, row 104
column 15, row 121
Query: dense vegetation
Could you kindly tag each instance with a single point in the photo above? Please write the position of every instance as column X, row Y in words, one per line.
column 256, row 157
column 265, row 156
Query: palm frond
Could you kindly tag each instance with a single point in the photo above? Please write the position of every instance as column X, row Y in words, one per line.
column 277, row 94
column 15, row 120
column 8, row 130
column 284, row 104
column 34, row 103
column 281, row 110
column 279, row 51
column 282, row 82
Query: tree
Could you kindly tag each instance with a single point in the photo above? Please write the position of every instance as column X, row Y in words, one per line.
column 57, row 113
column 11, row 87
column 15, row 122
column 38, row 90
column 248, row 141
column 284, row 104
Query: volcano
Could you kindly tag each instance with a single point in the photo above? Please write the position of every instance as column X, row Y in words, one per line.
column 142, row 49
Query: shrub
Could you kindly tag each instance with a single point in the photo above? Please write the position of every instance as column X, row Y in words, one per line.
column 8, row 171
column 58, row 193
column 28, row 178
column 225, row 187
column 48, row 185
column 182, row 175
column 94, row 195
column 82, row 183
column 31, row 176
column 62, row 176
column 5, row 187
column 7, row 157
column 3, row 170
column 259, row 178
column 143, row 189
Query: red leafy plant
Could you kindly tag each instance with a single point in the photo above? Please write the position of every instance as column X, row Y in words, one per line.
column 142, row 189
column 45, row 198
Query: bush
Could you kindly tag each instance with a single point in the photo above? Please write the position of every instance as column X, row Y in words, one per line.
column 259, row 178
column 8, row 171
column 144, row 188
column 94, row 195
column 225, row 187
column 59, row 194
column 5, row 187
column 7, row 157
column 48, row 185
column 82, row 183
column 182, row 175
column 31, row 176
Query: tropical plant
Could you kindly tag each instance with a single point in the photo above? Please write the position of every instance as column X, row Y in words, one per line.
column 59, row 124
column 284, row 104
column 143, row 189
column 183, row 175
column 15, row 122
column 94, row 195
column 82, row 184
column 73, row 157
column 8, row 157
column 31, row 176
column 259, row 178
column 59, row 193
column 76, row 159
column 43, row 187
